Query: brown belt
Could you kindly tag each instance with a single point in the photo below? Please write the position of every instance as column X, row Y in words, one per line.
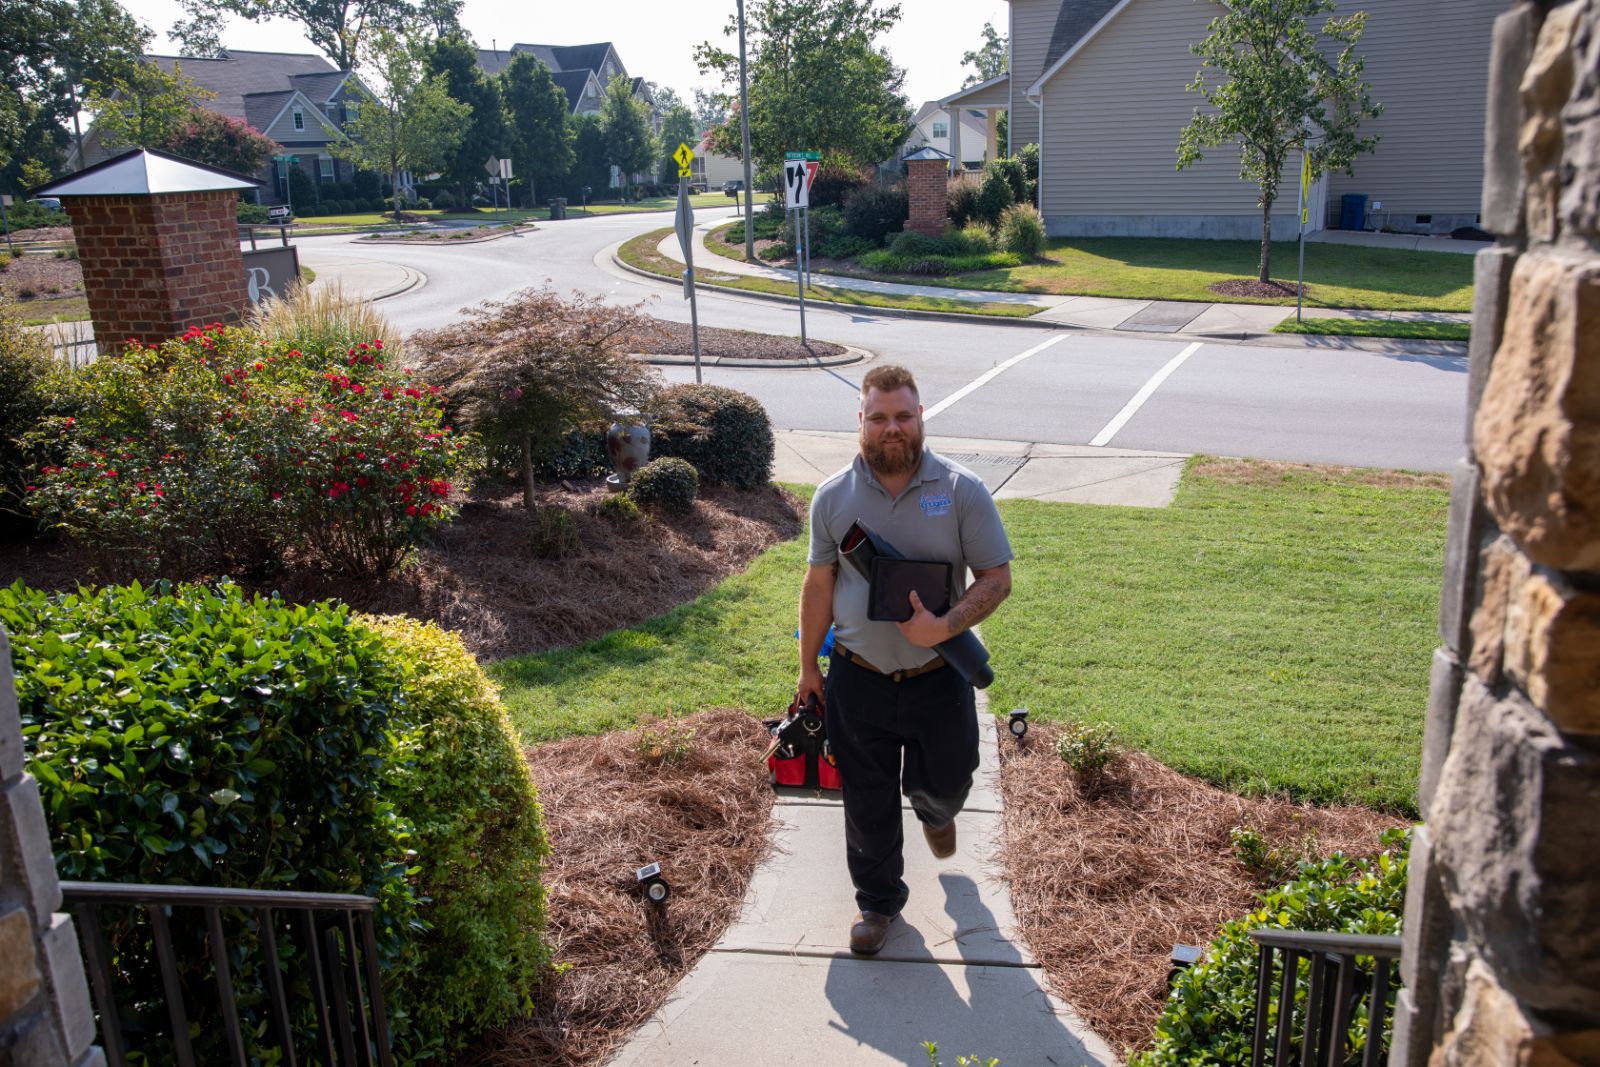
column 899, row 676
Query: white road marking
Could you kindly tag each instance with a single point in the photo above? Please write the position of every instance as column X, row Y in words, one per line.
column 988, row 376
column 1131, row 408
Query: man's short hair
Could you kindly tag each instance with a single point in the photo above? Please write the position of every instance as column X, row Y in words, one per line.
column 888, row 378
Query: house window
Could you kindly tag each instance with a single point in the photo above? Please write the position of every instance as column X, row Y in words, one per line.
column 941, row 129
column 352, row 110
column 325, row 168
column 299, row 119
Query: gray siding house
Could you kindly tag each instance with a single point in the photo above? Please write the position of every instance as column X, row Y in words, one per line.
column 1099, row 84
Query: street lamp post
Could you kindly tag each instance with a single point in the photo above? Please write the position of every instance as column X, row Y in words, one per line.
column 744, row 123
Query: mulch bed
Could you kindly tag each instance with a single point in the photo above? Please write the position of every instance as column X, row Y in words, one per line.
column 41, row 275
column 482, row 578
column 48, row 234
column 476, row 233
column 609, row 809
column 673, row 339
column 1260, row 290
column 1105, row 880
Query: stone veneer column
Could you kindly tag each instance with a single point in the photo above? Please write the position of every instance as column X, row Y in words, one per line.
column 1502, row 926
column 927, row 183
column 45, row 1018
column 155, row 265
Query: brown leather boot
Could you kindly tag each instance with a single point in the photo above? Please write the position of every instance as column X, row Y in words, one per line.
column 942, row 842
column 869, row 933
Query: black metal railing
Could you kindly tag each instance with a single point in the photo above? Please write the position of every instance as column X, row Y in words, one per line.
column 327, row 980
column 1332, row 1002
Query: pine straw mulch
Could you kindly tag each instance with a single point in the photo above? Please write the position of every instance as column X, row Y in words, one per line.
column 34, row 276
column 609, row 809
column 1255, row 288
column 674, row 339
column 482, row 578
column 1105, row 881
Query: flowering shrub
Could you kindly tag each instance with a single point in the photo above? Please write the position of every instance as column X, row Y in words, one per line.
column 221, row 451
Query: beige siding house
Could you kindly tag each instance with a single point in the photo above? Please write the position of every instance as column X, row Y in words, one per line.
column 1100, row 85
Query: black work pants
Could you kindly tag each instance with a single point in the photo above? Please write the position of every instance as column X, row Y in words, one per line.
column 920, row 736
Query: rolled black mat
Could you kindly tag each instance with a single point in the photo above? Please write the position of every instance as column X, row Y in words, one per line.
column 964, row 651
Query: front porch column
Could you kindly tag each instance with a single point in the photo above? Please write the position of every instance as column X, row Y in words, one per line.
column 991, row 120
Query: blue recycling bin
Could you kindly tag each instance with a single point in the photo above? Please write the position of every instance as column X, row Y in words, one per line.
column 1353, row 212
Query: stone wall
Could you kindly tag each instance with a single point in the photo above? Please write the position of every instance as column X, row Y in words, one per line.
column 45, row 1019
column 1502, row 930
column 155, row 265
column 927, row 184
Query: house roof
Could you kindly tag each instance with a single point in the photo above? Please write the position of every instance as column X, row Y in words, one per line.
column 237, row 73
column 144, row 171
column 971, row 120
column 319, row 87
column 570, row 65
column 572, row 83
column 261, row 109
column 927, row 151
column 1076, row 23
column 996, row 92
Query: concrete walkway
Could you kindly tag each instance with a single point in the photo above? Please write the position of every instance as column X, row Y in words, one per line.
column 781, row 987
column 1231, row 321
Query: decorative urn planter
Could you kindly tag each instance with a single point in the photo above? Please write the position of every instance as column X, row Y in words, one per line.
column 628, row 445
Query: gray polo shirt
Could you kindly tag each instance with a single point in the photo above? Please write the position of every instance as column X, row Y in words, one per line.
column 945, row 513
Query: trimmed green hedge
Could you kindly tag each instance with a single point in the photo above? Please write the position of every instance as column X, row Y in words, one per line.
column 667, row 483
column 195, row 736
column 724, row 433
column 1210, row 1015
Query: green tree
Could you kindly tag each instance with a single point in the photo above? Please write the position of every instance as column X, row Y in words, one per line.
column 536, row 116
column 990, row 59
column 455, row 61
column 630, row 145
column 412, row 124
column 1274, row 87
column 710, row 109
column 818, row 81
column 54, row 51
column 678, row 127
column 589, row 169
column 144, row 107
column 339, row 28
column 219, row 141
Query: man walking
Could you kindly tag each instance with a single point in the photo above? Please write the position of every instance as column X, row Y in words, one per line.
column 898, row 717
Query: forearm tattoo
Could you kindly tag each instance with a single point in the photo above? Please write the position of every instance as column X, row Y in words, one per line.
column 983, row 596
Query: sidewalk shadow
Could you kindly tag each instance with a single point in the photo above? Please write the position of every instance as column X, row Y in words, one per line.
column 965, row 1008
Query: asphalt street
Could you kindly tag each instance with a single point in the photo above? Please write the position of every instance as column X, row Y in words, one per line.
column 1069, row 387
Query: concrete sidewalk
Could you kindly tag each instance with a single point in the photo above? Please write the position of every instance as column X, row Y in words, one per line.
column 781, row 987
column 1221, row 321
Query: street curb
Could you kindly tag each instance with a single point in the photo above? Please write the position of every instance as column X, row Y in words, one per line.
column 380, row 239
column 891, row 313
column 414, row 279
column 851, row 355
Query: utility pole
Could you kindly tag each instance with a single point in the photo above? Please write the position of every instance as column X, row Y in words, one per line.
column 744, row 122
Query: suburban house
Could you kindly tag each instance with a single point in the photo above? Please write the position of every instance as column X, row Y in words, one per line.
column 298, row 100
column 969, row 140
column 1100, row 86
column 710, row 170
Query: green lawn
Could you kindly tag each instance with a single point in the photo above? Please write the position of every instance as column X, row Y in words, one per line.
column 490, row 215
column 1270, row 631
column 1171, row 269
column 1407, row 328
column 641, row 252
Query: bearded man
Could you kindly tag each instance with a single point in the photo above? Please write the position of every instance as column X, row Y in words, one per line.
column 898, row 717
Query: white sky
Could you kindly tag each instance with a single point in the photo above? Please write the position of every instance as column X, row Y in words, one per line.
column 655, row 40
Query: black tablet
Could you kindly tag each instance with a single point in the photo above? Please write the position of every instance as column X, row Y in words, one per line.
column 893, row 580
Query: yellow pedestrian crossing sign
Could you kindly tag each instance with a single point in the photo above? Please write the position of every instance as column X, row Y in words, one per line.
column 684, row 155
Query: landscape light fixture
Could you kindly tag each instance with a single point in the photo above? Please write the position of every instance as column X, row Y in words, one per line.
column 1019, row 723
column 1183, row 957
column 655, row 887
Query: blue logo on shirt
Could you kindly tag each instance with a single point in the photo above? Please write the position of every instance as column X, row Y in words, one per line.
column 935, row 505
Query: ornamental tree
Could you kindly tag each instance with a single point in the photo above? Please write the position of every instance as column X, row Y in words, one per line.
column 219, row 141
column 1276, row 86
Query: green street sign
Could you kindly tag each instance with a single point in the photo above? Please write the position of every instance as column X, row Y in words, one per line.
column 809, row 156
column 286, row 159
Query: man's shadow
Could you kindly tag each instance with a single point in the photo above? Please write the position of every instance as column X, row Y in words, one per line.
column 988, row 1004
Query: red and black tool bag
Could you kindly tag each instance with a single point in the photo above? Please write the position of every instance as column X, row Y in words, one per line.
column 799, row 754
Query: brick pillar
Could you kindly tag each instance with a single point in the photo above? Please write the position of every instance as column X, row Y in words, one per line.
column 1502, row 925
column 45, row 1018
column 155, row 265
column 926, row 182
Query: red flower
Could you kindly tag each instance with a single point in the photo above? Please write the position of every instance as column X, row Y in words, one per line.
column 378, row 345
column 411, row 509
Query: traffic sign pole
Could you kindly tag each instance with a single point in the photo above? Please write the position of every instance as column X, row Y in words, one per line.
column 686, row 243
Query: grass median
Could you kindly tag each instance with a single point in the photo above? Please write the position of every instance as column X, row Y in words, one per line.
column 1270, row 631
column 1410, row 329
column 642, row 252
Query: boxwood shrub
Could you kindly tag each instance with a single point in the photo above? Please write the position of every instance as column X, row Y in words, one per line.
column 667, row 483
column 188, row 736
column 1210, row 1016
column 724, row 433
column 478, row 833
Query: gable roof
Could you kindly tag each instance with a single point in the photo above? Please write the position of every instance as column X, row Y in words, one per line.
column 236, row 74
column 971, row 120
column 262, row 109
column 572, row 82
column 320, row 87
column 1076, row 24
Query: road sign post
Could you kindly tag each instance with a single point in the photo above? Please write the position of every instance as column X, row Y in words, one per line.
column 1305, row 215
column 799, row 170
column 685, row 225
column 5, row 202
column 288, row 186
